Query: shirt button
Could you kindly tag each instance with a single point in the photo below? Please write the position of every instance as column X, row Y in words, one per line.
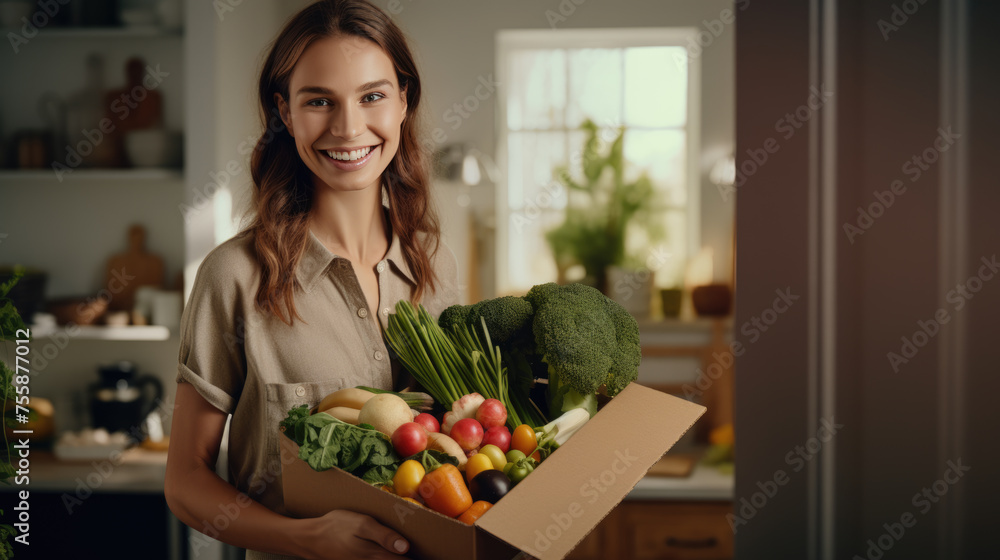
column 300, row 391
column 378, row 354
column 362, row 312
column 380, row 267
column 385, row 311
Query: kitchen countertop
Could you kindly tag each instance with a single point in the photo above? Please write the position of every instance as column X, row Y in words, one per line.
column 137, row 471
column 704, row 484
column 143, row 471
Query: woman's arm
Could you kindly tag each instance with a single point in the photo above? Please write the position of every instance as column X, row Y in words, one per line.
column 196, row 495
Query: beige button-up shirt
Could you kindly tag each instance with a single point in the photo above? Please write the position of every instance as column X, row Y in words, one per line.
column 256, row 367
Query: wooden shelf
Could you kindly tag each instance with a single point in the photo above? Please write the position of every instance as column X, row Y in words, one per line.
column 102, row 332
column 139, row 31
column 13, row 176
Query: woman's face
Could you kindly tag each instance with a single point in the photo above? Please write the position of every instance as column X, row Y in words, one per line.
column 344, row 110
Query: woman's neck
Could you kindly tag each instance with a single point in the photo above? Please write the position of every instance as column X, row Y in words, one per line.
column 351, row 224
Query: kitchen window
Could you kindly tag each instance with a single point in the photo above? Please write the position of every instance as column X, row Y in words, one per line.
column 550, row 83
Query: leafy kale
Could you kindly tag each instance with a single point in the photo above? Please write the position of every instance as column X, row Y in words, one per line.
column 325, row 442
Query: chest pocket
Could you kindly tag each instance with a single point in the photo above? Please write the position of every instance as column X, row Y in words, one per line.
column 282, row 397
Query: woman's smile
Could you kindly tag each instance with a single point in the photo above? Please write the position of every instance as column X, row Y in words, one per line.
column 351, row 159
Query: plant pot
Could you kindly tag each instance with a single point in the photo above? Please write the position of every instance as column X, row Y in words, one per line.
column 632, row 289
column 670, row 300
column 712, row 300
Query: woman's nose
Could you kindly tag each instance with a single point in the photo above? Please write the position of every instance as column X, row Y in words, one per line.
column 347, row 122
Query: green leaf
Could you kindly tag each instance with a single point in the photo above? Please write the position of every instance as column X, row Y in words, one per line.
column 379, row 475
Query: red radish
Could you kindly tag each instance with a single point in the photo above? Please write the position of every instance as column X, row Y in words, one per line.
column 409, row 439
column 498, row 436
column 428, row 421
column 491, row 413
column 468, row 433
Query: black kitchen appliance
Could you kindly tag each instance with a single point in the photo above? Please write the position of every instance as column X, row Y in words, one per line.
column 122, row 400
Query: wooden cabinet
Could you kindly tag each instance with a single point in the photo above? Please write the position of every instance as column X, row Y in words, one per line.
column 661, row 530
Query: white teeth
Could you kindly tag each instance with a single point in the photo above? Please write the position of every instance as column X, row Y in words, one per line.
column 349, row 156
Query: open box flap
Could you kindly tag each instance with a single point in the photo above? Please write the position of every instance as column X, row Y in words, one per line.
column 551, row 510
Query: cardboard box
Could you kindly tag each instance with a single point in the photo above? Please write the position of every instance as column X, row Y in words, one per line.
column 546, row 515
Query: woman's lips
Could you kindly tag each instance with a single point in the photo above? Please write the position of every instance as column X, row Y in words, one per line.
column 352, row 165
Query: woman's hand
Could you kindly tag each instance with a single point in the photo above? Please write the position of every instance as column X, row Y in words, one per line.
column 346, row 534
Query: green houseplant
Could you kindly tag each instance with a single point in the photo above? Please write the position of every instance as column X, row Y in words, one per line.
column 10, row 323
column 599, row 210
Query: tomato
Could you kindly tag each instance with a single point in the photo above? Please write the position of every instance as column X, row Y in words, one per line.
column 407, row 478
column 428, row 422
column 519, row 470
column 524, row 440
column 409, row 439
column 514, row 455
column 495, row 455
column 477, row 464
column 499, row 436
column 468, row 432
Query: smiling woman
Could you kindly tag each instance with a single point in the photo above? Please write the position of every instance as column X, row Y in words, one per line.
column 293, row 307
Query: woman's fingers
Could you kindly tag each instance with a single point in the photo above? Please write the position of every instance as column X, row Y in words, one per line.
column 372, row 530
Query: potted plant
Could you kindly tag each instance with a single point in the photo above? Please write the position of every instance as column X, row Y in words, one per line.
column 600, row 210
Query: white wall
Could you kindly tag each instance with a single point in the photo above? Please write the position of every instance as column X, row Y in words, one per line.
column 453, row 41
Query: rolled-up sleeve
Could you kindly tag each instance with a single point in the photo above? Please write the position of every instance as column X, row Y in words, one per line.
column 212, row 334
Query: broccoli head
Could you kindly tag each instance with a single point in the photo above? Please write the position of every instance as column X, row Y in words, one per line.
column 587, row 340
column 505, row 317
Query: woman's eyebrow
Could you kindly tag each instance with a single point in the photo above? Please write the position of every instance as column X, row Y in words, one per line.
column 325, row 91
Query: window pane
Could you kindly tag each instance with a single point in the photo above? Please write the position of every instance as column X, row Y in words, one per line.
column 532, row 158
column 537, row 97
column 595, row 87
column 529, row 259
column 663, row 252
column 655, row 86
column 661, row 154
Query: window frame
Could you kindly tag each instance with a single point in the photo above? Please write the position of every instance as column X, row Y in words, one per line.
column 508, row 40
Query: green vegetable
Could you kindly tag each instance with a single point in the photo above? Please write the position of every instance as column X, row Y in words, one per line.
column 425, row 456
column 417, row 401
column 573, row 334
column 556, row 432
column 587, row 340
column 325, row 442
column 452, row 364
column 518, row 470
column 379, row 475
column 505, row 322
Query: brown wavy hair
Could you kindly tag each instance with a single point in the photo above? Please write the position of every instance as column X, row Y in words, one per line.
column 282, row 184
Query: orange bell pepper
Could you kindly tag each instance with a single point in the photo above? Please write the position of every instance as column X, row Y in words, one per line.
column 443, row 489
column 475, row 512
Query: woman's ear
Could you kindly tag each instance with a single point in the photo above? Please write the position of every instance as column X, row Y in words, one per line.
column 402, row 99
column 286, row 116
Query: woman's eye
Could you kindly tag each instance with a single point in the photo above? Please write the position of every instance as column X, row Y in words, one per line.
column 318, row 103
column 372, row 97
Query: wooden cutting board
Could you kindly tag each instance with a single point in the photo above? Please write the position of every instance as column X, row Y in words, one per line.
column 131, row 269
column 673, row 465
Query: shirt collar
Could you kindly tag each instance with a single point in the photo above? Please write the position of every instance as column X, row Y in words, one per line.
column 316, row 258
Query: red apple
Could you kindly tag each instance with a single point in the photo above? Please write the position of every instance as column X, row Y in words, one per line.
column 428, row 421
column 491, row 413
column 498, row 436
column 468, row 433
column 409, row 439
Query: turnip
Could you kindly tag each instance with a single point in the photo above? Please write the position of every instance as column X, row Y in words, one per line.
column 386, row 413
